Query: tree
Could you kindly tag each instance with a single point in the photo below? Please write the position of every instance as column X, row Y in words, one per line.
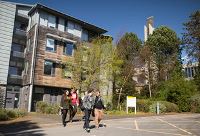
column 166, row 52
column 191, row 40
column 128, row 48
column 177, row 90
column 147, row 56
column 93, row 64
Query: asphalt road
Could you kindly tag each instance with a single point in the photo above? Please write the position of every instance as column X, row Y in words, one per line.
column 165, row 125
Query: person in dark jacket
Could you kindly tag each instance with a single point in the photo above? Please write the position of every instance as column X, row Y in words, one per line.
column 88, row 103
column 98, row 108
column 65, row 105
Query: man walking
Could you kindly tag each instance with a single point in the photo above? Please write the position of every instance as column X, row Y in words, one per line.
column 88, row 103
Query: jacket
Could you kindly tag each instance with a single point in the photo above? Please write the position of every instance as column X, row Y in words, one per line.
column 88, row 102
column 65, row 103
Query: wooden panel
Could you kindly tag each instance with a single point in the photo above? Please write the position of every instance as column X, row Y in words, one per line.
column 42, row 55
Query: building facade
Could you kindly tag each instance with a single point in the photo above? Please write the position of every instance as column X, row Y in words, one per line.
column 50, row 39
column 190, row 70
column 13, row 24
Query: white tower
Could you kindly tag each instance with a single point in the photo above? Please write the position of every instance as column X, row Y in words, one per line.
column 148, row 28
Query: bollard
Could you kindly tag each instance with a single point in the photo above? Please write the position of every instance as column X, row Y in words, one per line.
column 158, row 108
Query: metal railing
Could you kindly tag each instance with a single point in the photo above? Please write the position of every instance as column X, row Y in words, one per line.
column 18, row 54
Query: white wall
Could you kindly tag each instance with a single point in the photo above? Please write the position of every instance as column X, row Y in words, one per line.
column 7, row 17
column 23, row 10
column 43, row 18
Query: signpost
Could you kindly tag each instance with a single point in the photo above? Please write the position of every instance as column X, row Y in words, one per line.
column 131, row 102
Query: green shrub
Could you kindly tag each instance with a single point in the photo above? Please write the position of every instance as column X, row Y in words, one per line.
column 11, row 114
column 177, row 90
column 21, row 113
column 170, row 107
column 164, row 107
column 153, row 108
column 3, row 115
column 195, row 103
column 143, row 105
column 41, row 106
column 44, row 107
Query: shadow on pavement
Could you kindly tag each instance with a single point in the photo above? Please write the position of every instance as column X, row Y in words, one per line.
column 22, row 128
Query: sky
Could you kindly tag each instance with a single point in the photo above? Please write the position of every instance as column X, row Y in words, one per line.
column 120, row 16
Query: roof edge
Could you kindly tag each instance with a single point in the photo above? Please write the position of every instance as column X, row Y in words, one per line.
column 40, row 6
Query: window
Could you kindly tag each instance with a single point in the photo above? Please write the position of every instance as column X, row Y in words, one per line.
column 16, row 47
column 51, row 45
column 49, row 68
column 70, row 27
column 13, row 71
column 68, row 49
column 84, row 36
column 77, row 27
column 51, row 21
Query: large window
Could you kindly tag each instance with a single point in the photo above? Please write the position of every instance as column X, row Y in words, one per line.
column 84, row 36
column 51, row 21
column 51, row 45
column 68, row 49
column 49, row 68
column 13, row 71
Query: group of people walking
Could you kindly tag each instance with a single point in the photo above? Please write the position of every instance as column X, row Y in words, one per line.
column 91, row 103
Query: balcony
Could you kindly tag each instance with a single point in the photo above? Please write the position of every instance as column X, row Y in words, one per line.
column 17, row 54
column 16, row 63
column 20, row 32
column 14, row 79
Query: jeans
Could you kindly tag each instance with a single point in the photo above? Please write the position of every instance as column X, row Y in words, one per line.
column 64, row 115
column 73, row 111
column 87, row 118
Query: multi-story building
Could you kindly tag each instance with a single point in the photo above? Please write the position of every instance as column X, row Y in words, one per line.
column 190, row 70
column 13, row 24
column 50, row 40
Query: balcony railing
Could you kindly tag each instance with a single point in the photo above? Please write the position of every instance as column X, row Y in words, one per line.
column 14, row 79
column 20, row 32
column 18, row 54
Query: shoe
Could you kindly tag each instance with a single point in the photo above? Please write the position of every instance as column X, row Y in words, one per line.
column 64, row 125
column 87, row 130
column 104, row 125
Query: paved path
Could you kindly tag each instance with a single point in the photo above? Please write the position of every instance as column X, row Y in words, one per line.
column 166, row 125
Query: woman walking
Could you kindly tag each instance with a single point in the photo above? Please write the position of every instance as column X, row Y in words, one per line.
column 75, row 104
column 98, row 108
column 65, row 105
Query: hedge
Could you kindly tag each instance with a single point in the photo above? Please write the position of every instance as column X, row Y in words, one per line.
column 11, row 114
column 43, row 107
column 164, row 107
column 195, row 103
